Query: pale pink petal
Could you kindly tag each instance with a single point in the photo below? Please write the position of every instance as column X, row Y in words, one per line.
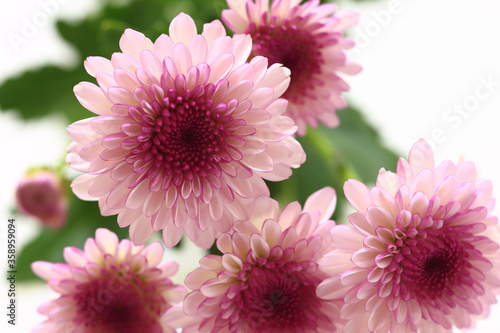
column 42, row 269
column 182, row 58
column 106, row 240
column 171, row 235
column 421, row 156
column 347, row 19
column 213, row 31
column 125, row 61
column 176, row 317
column 271, row 232
column 92, row 98
column 140, row 230
column 278, row 78
column 263, row 208
column 243, row 48
column 133, row 42
column 198, row 48
column 94, row 65
column 80, row 187
column 330, row 289
column 388, row 181
column 220, row 66
column 346, row 237
column 323, row 200
column 234, row 21
column 356, row 193
column 163, row 47
column 182, row 29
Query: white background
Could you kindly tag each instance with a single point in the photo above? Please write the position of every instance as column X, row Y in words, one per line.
column 423, row 60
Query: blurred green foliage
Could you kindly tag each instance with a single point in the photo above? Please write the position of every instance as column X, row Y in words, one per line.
column 351, row 151
column 333, row 155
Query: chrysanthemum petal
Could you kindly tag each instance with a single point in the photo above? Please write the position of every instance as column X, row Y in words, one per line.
column 94, row 65
column 356, row 193
column 80, row 187
column 92, row 98
column 133, row 42
column 182, row 29
column 213, row 31
column 323, row 200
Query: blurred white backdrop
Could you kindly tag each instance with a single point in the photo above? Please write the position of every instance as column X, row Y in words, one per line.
column 431, row 69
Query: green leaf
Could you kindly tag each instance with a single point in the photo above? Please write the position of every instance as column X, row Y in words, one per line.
column 40, row 92
column 359, row 144
column 351, row 151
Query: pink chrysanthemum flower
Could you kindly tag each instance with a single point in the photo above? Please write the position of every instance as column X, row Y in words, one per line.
column 419, row 255
column 307, row 39
column 109, row 287
column 266, row 279
column 186, row 131
column 41, row 194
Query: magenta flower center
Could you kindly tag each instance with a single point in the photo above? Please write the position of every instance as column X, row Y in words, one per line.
column 434, row 264
column 437, row 268
column 190, row 132
column 277, row 300
column 297, row 49
column 118, row 304
column 182, row 134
